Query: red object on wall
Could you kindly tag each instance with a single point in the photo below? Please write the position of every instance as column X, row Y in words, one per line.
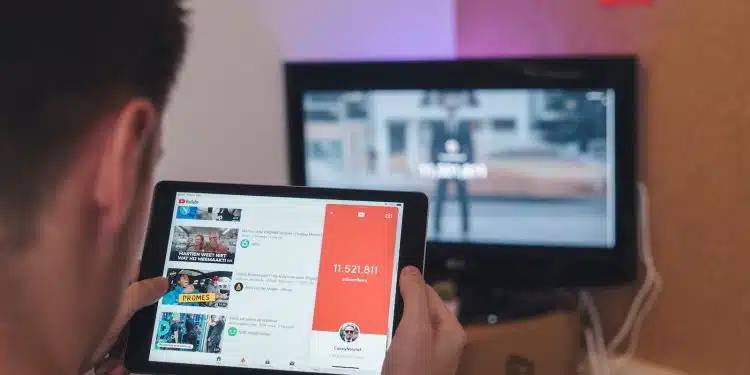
column 616, row 3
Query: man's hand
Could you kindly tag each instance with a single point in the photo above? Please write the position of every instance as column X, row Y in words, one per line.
column 108, row 357
column 429, row 340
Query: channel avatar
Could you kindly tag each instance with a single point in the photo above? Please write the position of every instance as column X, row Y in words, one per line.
column 349, row 332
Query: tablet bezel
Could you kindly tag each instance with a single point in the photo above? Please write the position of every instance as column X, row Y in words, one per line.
column 411, row 252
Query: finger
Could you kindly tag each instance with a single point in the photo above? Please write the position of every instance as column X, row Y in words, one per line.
column 439, row 311
column 451, row 336
column 141, row 294
column 111, row 367
column 414, row 332
column 117, row 351
column 137, row 296
column 135, row 269
column 413, row 292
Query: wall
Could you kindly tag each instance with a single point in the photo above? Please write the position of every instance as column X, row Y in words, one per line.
column 487, row 28
column 361, row 29
column 226, row 119
column 696, row 125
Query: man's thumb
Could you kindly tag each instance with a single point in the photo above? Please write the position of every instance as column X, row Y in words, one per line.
column 414, row 293
column 143, row 293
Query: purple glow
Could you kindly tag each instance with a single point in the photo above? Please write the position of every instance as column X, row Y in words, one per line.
column 360, row 30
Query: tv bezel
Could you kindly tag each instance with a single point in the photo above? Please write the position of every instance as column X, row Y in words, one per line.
column 500, row 265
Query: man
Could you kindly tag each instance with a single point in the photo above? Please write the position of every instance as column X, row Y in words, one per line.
column 182, row 286
column 84, row 87
column 215, row 329
column 213, row 287
column 452, row 146
column 176, row 328
column 214, row 245
column 192, row 332
column 350, row 333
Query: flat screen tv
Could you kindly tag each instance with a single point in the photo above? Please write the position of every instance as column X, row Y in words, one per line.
column 530, row 164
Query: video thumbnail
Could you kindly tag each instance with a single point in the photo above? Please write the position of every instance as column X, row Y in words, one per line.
column 190, row 332
column 203, row 244
column 209, row 213
column 198, row 288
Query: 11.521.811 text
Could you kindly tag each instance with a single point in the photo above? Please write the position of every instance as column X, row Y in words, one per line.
column 356, row 269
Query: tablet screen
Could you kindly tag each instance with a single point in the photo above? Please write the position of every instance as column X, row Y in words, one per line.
column 279, row 283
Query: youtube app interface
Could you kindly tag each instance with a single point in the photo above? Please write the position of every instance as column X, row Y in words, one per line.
column 279, row 283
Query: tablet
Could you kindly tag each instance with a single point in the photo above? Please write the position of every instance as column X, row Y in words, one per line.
column 274, row 279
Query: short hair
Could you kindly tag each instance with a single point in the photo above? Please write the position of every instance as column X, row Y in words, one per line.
column 63, row 66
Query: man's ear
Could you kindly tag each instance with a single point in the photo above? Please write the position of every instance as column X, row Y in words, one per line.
column 128, row 140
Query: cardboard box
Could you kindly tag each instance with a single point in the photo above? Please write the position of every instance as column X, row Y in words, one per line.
column 546, row 345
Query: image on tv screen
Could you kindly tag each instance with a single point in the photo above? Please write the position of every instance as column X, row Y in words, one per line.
column 501, row 166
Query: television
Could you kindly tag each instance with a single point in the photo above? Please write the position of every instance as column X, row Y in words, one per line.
column 530, row 164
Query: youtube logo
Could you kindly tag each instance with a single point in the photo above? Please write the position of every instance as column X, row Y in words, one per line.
column 181, row 201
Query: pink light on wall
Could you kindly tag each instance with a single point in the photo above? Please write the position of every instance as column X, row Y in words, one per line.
column 360, row 29
column 615, row 3
column 491, row 28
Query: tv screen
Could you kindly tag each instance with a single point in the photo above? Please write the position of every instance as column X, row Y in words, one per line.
column 501, row 166
column 529, row 163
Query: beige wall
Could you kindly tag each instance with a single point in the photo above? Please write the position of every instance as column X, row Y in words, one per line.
column 697, row 143
column 226, row 119
column 225, row 122
column 696, row 132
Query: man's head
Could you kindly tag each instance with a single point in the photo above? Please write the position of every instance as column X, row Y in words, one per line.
column 83, row 87
column 349, row 332
column 451, row 99
column 184, row 280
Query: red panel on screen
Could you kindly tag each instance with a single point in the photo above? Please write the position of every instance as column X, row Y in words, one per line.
column 613, row 3
column 356, row 268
